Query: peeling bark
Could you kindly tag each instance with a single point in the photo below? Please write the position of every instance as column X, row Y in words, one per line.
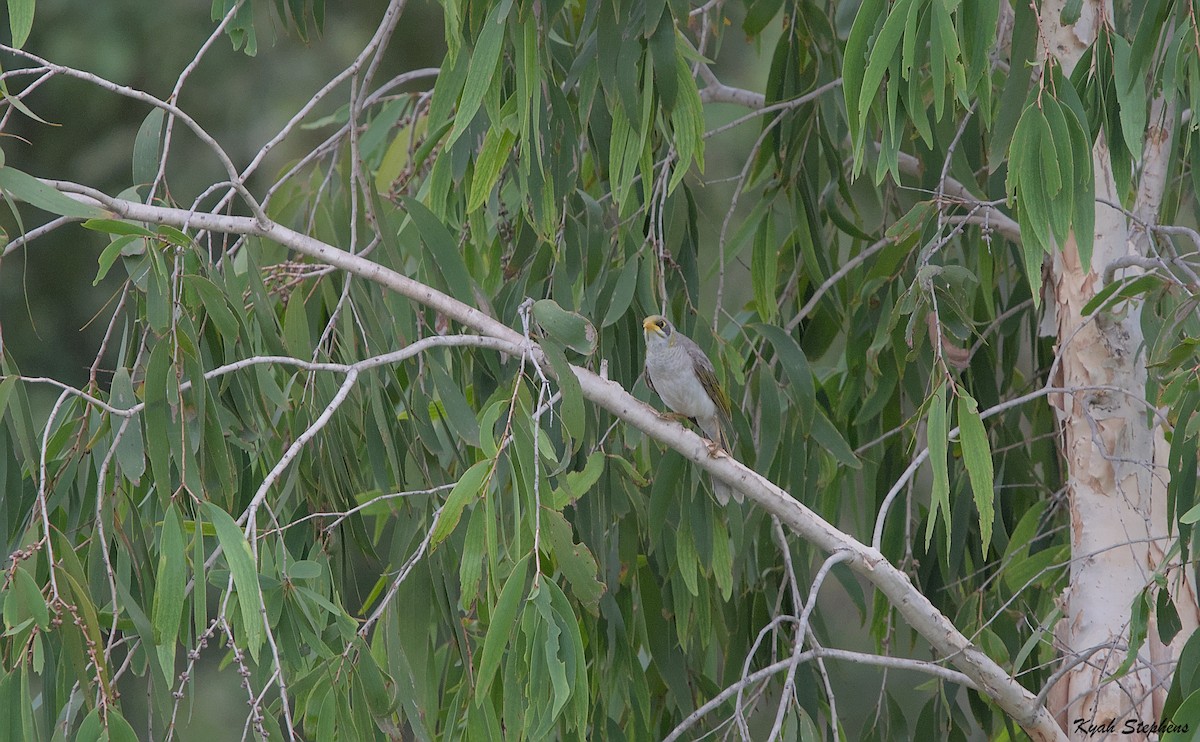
column 1115, row 454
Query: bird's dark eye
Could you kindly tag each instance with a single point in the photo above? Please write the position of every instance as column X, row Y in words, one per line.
column 661, row 323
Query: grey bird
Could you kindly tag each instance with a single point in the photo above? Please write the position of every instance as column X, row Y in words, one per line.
column 686, row 381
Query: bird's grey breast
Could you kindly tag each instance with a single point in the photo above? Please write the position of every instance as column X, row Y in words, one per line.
column 672, row 372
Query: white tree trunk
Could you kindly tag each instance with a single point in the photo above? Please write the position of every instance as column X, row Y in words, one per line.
column 1114, row 450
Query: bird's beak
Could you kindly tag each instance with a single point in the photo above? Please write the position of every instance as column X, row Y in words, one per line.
column 651, row 329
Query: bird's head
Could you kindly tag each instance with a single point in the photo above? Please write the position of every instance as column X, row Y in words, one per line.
column 657, row 329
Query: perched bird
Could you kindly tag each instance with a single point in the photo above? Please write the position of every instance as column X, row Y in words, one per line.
column 683, row 377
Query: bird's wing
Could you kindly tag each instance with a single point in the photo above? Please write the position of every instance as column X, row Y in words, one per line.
column 649, row 383
column 708, row 377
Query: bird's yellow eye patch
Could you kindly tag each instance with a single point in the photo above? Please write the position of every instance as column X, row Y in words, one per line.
column 654, row 323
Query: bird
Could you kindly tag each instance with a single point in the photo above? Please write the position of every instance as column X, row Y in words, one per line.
column 686, row 381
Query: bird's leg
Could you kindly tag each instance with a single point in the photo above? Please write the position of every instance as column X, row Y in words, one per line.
column 714, row 449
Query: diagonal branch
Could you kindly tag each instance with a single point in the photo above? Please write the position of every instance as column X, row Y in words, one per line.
column 946, row 640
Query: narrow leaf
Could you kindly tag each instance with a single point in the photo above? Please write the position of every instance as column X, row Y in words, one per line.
column 147, row 148
column 977, row 454
column 937, row 434
column 130, row 451
column 497, row 148
column 466, row 490
column 20, row 21
column 25, row 187
column 168, row 589
column 245, row 573
column 481, row 69
column 500, row 629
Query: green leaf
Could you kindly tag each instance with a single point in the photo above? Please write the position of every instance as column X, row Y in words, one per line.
column 1130, row 87
column 685, row 558
column 662, row 54
column 912, row 222
column 215, row 306
column 158, row 295
column 569, row 328
column 570, row 406
column 470, row 566
column 443, row 248
column 880, row 57
column 977, row 454
column 1185, row 680
column 118, row 247
column 304, row 569
column 938, row 436
column 1191, row 516
column 297, row 337
column 396, row 157
column 854, row 64
column 130, row 451
column 500, row 628
column 1083, row 202
column 157, row 416
column 1120, row 290
column 119, row 729
column 497, row 148
column 722, row 559
column 199, row 597
column 623, row 290
column 764, row 269
column 20, row 21
column 1022, row 140
column 795, row 365
column 92, row 727
column 119, row 227
column 573, row 648
column 245, row 574
column 481, row 69
column 379, row 689
column 953, row 58
column 576, row 484
column 467, row 489
column 687, row 123
column 25, row 187
column 1168, row 617
column 6, row 390
column 458, row 413
column 551, row 650
column 168, row 589
column 1185, row 720
column 758, row 14
column 1139, row 617
column 147, row 148
column 381, row 127
column 24, row 602
column 1061, row 205
column 831, row 439
column 1016, row 87
column 575, row 560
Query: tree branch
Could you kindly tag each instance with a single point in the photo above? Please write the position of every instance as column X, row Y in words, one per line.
column 946, row 640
